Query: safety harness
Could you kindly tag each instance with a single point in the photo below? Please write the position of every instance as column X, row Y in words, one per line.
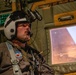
column 14, row 61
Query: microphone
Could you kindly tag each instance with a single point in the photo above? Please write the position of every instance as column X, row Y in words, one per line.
column 30, row 33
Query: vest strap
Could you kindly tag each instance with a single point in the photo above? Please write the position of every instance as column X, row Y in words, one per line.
column 14, row 61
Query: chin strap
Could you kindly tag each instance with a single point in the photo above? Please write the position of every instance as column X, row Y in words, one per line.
column 22, row 41
column 14, row 61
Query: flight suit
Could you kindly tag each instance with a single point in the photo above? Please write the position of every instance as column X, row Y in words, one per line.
column 33, row 63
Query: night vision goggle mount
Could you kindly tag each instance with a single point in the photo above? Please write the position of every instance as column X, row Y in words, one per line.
column 34, row 15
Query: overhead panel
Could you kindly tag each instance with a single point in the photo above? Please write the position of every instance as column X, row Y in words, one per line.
column 43, row 2
column 66, row 7
column 65, row 14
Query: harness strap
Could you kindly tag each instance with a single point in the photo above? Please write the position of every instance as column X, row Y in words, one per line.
column 16, row 68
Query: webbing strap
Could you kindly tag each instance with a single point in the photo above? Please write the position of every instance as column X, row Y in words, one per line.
column 16, row 68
